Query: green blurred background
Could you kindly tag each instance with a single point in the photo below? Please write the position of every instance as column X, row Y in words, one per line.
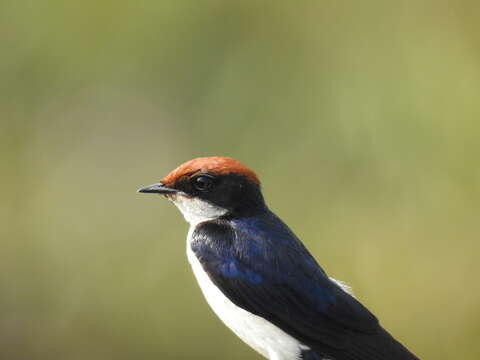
column 360, row 117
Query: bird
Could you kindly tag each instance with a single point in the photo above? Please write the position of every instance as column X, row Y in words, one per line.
column 257, row 275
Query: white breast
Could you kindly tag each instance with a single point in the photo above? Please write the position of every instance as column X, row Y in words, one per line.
column 260, row 334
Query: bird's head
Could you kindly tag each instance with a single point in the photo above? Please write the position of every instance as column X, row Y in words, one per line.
column 211, row 187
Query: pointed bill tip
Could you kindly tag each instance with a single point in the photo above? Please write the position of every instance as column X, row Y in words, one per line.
column 157, row 188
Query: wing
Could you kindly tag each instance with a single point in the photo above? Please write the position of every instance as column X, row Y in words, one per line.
column 262, row 267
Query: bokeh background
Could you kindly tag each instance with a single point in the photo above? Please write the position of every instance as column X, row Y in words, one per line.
column 360, row 117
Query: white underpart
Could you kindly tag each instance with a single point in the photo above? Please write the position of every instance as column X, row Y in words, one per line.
column 266, row 338
column 195, row 210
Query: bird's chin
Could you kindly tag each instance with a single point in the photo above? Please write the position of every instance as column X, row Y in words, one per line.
column 176, row 197
column 195, row 210
column 169, row 196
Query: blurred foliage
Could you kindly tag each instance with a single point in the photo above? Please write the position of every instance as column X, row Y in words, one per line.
column 361, row 118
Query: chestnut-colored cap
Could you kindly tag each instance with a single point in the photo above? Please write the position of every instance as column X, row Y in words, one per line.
column 218, row 165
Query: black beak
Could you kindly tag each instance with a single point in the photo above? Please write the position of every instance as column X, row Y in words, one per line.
column 157, row 188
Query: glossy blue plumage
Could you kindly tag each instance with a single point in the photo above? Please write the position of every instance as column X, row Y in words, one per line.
column 262, row 267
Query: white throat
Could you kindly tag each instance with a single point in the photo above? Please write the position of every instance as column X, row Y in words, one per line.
column 195, row 210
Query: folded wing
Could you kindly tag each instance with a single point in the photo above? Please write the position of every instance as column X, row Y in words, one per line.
column 262, row 267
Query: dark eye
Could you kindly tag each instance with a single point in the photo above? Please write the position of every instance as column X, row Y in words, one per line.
column 202, row 182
